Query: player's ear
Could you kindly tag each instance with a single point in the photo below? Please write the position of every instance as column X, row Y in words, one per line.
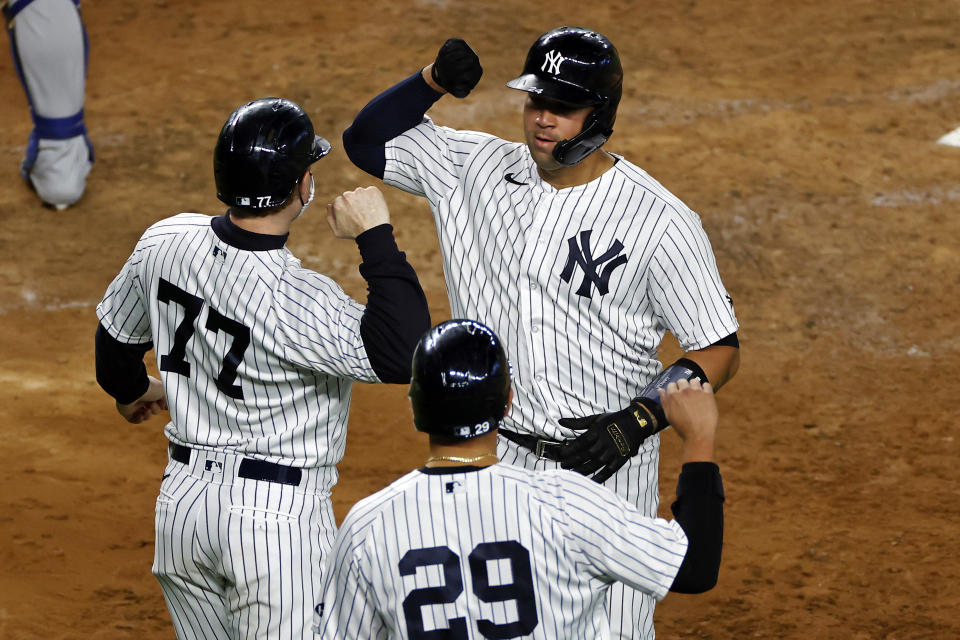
column 509, row 402
column 303, row 184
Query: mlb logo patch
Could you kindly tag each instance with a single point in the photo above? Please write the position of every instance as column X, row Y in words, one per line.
column 214, row 465
column 243, row 202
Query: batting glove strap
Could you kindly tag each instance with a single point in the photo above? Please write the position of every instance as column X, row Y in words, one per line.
column 457, row 68
column 609, row 440
column 652, row 411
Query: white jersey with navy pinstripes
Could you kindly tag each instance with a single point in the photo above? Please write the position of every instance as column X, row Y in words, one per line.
column 257, row 353
column 497, row 552
column 579, row 283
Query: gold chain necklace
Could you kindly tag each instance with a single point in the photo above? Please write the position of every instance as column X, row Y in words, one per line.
column 459, row 458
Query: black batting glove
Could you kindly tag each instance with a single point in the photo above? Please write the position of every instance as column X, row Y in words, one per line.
column 457, row 68
column 608, row 441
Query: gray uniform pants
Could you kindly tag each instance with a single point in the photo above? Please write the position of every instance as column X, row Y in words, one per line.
column 49, row 49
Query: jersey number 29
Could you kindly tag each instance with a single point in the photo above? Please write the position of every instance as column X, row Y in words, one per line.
column 175, row 362
column 520, row 590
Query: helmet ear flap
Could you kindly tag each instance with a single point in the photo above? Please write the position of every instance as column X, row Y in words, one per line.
column 597, row 129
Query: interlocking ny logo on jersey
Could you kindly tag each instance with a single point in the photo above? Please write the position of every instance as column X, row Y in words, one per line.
column 551, row 64
column 581, row 254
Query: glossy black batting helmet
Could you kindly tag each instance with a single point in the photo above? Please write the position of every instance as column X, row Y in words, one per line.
column 460, row 384
column 581, row 68
column 262, row 152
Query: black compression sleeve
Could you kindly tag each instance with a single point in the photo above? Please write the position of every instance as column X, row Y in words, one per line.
column 729, row 341
column 120, row 368
column 397, row 314
column 699, row 510
column 397, row 109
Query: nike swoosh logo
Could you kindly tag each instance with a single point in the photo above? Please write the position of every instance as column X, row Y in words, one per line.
column 509, row 178
column 165, row 476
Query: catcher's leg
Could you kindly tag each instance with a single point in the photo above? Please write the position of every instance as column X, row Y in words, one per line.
column 49, row 46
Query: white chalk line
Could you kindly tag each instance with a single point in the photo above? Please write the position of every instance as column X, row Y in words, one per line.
column 51, row 307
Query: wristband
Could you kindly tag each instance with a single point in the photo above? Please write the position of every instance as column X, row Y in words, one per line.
column 649, row 399
column 682, row 369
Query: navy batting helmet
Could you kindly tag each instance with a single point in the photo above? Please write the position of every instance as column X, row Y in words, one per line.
column 460, row 384
column 263, row 150
column 581, row 68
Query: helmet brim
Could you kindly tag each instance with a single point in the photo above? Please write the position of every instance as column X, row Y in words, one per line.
column 555, row 89
column 321, row 147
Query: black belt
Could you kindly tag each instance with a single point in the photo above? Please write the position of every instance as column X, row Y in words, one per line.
column 249, row 468
column 549, row 449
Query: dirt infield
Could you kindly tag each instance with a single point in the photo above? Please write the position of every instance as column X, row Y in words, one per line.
column 802, row 133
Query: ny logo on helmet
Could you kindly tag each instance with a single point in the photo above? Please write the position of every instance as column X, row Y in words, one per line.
column 551, row 64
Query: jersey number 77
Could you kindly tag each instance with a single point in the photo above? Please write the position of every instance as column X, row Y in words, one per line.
column 520, row 590
column 175, row 361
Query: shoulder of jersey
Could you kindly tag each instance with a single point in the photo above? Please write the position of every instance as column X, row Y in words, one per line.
column 560, row 480
column 542, row 481
column 488, row 143
column 643, row 180
column 179, row 223
column 375, row 502
column 307, row 282
column 509, row 151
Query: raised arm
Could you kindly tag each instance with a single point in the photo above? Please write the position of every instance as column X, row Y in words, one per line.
column 402, row 106
column 396, row 314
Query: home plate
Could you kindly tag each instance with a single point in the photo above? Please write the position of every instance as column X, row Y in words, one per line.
column 952, row 139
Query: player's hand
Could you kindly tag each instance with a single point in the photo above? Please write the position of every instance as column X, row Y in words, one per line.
column 457, row 68
column 357, row 211
column 149, row 404
column 692, row 410
column 608, row 441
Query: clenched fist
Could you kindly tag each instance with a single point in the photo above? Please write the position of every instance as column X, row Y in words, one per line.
column 457, row 68
column 357, row 211
column 692, row 410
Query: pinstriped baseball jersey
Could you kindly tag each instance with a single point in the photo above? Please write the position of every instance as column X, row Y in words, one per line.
column 257, row 354
column 494, row 552
column 579, row 283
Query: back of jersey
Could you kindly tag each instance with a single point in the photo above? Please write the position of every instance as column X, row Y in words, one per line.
column 257, row 354
column 493, row 552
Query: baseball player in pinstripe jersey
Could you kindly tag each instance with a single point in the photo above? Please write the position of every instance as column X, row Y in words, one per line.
column 467, row 548
column 577, row 258
column 257, row 357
